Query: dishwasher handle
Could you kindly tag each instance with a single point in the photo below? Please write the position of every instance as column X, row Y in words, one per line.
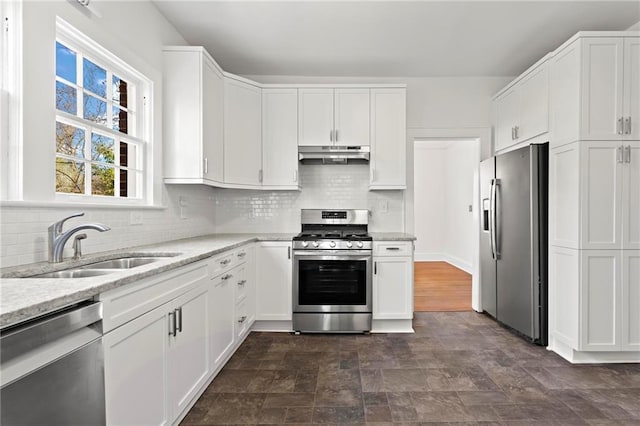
column 30, row 335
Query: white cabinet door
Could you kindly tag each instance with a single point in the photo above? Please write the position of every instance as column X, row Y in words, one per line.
column 631, row 196
column 507, row 113
column 245, row 285
column 189, row 356
column 564, row 94
column 392, row 288
column 601, row 300
column 280, row 137
column 631, row 300
column 632, row 88
column 351, row 117
column 273, row 291
column 601, row 178
column 315, row 119
column 534, row 106
column 602, row 88
column 387, row 166
column 135, row 357
column 242, row 133
column 212, row 122
column 222, row 319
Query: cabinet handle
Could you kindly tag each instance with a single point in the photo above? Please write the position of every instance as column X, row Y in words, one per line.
column 513, row 133
column 393, row 248
column 242, row 319
column 172, row 324
column 619, row 126
column 178, row 319
column 517, row 132
column 619, row 155
column 627, row 125
column 295, row 175
column 336, row 135
column 206, row 166
column 241, row 283
column 375, row 268
column 260, row 175
column 226, row 277
column 242, row 254
column 225, row 262
column 627, row 154
column 373, row 174
column 331, row 135
column 288, row 252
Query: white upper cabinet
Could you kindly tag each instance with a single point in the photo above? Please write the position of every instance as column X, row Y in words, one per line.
column 522, row 111
column 193, row 99
column 242, row 133
column 595, row 90
column 387, row 166
column 333, row 117
column 280, row 138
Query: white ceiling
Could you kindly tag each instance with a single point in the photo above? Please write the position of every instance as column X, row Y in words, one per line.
column 388, row 38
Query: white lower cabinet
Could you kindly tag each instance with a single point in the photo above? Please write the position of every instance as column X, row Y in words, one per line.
column 274, row 268
column 392, row 280
column 156, row 363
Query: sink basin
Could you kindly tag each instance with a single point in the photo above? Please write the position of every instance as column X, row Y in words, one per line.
column 73, row 273
column 122, row 263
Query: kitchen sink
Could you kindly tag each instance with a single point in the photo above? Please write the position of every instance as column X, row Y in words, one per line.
column 122, row 263
column 73, row 273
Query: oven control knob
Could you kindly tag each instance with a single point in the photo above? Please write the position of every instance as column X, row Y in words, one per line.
column 305, row 244
column 315, row 244
column 332, row 244
column 349, row 244
column 360, row 245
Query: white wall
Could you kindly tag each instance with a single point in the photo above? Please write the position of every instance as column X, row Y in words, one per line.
column 136, row 36
column 443, row 191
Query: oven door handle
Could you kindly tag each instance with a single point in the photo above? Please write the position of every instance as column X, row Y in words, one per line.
column 333, row 253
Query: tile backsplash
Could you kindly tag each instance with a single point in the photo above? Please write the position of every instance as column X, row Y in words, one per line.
column 323, row 186
column 193, row 210
column 24, row 229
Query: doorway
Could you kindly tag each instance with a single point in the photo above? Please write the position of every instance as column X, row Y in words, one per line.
column 442, row 211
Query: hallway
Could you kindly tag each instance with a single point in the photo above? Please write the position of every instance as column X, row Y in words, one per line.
column 440, row 287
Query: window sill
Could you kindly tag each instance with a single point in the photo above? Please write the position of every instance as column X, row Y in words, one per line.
column 69, row 204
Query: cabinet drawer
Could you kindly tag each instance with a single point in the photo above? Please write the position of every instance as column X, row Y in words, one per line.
column 123, row 304
column 393, row 248
column 227, row 260
column 240, row 282
column 242, row 323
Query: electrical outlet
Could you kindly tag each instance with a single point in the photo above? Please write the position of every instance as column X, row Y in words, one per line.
column 182, row 201
column 135, row 218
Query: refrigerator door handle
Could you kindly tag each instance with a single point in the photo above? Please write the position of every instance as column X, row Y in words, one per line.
column 492, row 210
column 495, row 183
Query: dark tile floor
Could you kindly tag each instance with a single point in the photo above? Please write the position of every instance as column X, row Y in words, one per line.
column 459, row 367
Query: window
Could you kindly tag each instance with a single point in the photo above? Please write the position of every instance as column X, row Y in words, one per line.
column 100, row 121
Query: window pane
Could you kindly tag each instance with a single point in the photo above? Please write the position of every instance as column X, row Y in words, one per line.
column 66, row 98
column 69, row 176
column 95, row 110
column 120, row 120
column 94, row 78
column 102, row 148
column 69, row 140
column 120, row 91
column 129, row 183
column 65, row 63
column 102, row 180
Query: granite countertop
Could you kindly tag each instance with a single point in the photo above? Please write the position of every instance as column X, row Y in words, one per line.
column 23, row 298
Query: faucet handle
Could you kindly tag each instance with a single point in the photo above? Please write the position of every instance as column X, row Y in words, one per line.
column 57, row 226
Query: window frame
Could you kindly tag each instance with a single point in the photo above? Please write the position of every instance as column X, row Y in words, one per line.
column 139, row 122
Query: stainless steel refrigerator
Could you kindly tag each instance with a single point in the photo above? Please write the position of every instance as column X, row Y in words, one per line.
column 513, row 240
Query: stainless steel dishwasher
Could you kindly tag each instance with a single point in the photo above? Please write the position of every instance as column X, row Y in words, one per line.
column 52, row 369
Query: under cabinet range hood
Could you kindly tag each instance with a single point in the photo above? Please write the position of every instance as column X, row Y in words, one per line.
column 333, row 154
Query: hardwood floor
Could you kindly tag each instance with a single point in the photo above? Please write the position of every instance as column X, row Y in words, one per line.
column 441, row 287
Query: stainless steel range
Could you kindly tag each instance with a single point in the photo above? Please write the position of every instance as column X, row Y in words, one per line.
column 332, row 272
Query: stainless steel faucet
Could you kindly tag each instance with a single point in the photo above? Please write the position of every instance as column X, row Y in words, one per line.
column 57, row 239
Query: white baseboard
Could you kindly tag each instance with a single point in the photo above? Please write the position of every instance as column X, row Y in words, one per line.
column 442, row 257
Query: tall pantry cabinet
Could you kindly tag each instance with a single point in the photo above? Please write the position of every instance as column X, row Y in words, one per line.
column 594, row 198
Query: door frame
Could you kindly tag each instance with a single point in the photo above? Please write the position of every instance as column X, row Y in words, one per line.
column 484, row 149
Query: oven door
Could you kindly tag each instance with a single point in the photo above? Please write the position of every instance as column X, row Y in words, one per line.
column 332, row 281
